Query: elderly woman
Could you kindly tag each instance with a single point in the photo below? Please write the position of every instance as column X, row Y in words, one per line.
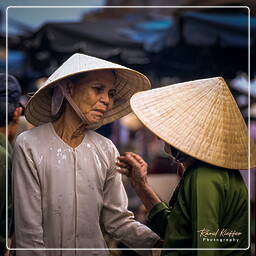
column 66, row 187
column 206, row 138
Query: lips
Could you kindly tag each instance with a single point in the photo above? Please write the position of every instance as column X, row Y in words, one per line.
column 102, row 111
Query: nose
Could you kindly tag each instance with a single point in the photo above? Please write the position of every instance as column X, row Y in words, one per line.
column 105, row 99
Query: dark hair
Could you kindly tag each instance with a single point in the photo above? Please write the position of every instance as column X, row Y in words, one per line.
column 77, row 77
column 179, row 155
column 11, row 109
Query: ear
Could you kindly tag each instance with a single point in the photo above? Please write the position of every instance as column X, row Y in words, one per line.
column 17, row 114
column 70, row 88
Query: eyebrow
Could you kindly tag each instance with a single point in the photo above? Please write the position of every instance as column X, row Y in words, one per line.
column 103, row 85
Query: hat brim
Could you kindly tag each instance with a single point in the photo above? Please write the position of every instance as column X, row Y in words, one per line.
column 128, row 82
column 201, row 119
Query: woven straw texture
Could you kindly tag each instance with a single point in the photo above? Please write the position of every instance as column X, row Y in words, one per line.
column 38, row 110
column 200, row 118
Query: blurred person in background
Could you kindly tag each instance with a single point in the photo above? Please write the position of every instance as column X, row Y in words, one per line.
column 66, row 188
column 24, row 125
column 207, row 140
column 13, row 114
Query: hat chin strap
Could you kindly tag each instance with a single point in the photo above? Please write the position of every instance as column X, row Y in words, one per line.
column 175, row 162
column 73, row 105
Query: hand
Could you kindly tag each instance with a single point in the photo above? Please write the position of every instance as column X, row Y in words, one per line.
column 134, row 167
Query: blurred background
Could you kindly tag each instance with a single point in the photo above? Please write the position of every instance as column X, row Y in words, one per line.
column 181, row 42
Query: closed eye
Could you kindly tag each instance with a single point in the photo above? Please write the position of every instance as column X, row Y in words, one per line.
column 98, row 88
column 101, row 88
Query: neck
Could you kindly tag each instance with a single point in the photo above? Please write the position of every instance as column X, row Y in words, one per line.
column 70, row 127
column 189, row 161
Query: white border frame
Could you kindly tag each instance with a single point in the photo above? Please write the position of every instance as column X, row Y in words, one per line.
column 137, row 249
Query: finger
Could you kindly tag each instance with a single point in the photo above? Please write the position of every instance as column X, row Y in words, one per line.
column 120, row 158
column 122, row 165
column 137, row 157
column 127, row 152
column 123, row 171
column 128, row 159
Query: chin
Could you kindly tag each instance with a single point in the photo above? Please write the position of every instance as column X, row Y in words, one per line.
column 94, row 120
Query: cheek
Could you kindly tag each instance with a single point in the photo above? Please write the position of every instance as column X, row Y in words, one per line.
column 85, row 100
column 111, row 103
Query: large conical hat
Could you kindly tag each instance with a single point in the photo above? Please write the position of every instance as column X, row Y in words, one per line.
column 200, row 118
column 128, row 81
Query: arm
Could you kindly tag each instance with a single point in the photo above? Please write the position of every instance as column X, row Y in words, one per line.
column 27, row 203
column 135, row 168
column 118, row 221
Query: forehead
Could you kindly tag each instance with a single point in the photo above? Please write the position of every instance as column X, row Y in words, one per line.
column 104, row 77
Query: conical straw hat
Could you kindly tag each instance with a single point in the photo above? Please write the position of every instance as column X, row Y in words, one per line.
column 200, row 118
column 128, row 81
column 131, row 122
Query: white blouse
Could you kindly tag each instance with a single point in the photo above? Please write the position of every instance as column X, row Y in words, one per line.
column 62, row 196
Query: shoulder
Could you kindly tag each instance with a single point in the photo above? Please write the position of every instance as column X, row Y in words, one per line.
column 105, row 148
column 204, row 176
column 2, row 153
column 99, row 137
column 101, row 141
column 2, row 140
column 33, row 135
column 208, row 171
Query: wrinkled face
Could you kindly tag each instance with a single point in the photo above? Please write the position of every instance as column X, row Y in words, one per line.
column 94, row 94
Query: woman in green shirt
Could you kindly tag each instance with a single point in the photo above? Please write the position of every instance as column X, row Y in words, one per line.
column 206, row 138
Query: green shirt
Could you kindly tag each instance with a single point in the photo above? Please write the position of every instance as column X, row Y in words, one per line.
column 207, row 206
column 3, row 187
